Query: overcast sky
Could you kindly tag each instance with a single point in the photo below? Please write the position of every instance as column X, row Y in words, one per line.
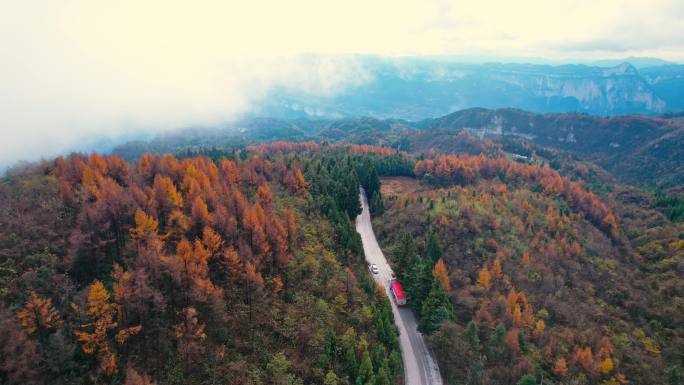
column 75, row 70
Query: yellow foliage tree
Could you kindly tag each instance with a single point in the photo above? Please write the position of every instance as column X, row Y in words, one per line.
column 484, row 278
column 606, row 366
column 94, row 335
column 145, row 226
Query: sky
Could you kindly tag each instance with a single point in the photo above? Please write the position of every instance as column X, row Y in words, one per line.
column 73, row 72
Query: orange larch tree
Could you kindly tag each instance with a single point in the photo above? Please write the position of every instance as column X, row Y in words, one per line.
column 94, row 334
column 440, row 272
column 39, row 314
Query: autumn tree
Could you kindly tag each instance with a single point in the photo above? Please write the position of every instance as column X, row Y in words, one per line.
column 539, row 328
column 560, row 367
column 497, row 270
column 200, row 214
column 19, row 354
column 513, row 340
column 148, row 243
column 133, row 377
column 291, row 223
column 39, row 315
column 166, row 195
column 526, row 258
column 94, row 334
column 440, row 273
column 254, row 283
column 190, row 334
column 189, row 268
column 484, row 278
column 584, row 358
column 264, row 195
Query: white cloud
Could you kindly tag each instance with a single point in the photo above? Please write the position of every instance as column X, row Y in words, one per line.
column 72, row 70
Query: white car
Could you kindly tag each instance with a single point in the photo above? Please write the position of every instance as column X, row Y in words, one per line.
column 373, row 268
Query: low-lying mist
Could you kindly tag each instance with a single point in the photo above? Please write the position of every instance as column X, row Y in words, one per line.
column 83, row 111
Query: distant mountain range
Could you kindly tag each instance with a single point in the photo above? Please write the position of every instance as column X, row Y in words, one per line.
column 415, row 89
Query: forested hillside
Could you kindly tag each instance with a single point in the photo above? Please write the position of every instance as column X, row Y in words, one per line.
column 540, row 278
column 189, row 271
column 244, row 267
column 642, row 150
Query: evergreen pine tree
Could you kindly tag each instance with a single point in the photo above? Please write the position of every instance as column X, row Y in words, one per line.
column 365, row 376
column 433, row 248
column 522, row 341
column 349, row 359
column 377, row 207
column 496, row 342
column 674, row 376
column 382, row 377
column 330, row 348
column 472, row 336
column 395, row 363
column 436, row 309
column 419, row 281
column 527, row 379
column 404, row 255
column 373, row 182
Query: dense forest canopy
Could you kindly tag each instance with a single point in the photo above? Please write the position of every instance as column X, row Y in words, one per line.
column 195, row 270
column 243, row 267
column 542, row 278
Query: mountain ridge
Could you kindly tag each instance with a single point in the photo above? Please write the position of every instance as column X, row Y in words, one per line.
column 629, row 146
column 413, row 89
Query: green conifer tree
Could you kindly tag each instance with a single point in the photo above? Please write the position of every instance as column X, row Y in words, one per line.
column 436, row 309
column 365, row 376
column 433, row 248
column 472, row 336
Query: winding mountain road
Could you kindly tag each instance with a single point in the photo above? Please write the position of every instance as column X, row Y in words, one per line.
column 419, row 366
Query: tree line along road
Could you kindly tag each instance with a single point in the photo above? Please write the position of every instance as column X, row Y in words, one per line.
column 419, row 366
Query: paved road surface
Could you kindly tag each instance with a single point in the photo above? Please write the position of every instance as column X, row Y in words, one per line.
column 419, row 366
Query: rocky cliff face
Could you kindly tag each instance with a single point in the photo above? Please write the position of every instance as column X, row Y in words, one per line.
column 414, row 90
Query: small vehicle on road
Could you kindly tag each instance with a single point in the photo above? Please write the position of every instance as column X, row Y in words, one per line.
column 373, row 268
column 397, row 292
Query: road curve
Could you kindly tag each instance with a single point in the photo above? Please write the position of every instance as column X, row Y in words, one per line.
column 419, row 366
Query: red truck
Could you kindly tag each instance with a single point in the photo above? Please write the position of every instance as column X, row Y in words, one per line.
column 397, row 292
